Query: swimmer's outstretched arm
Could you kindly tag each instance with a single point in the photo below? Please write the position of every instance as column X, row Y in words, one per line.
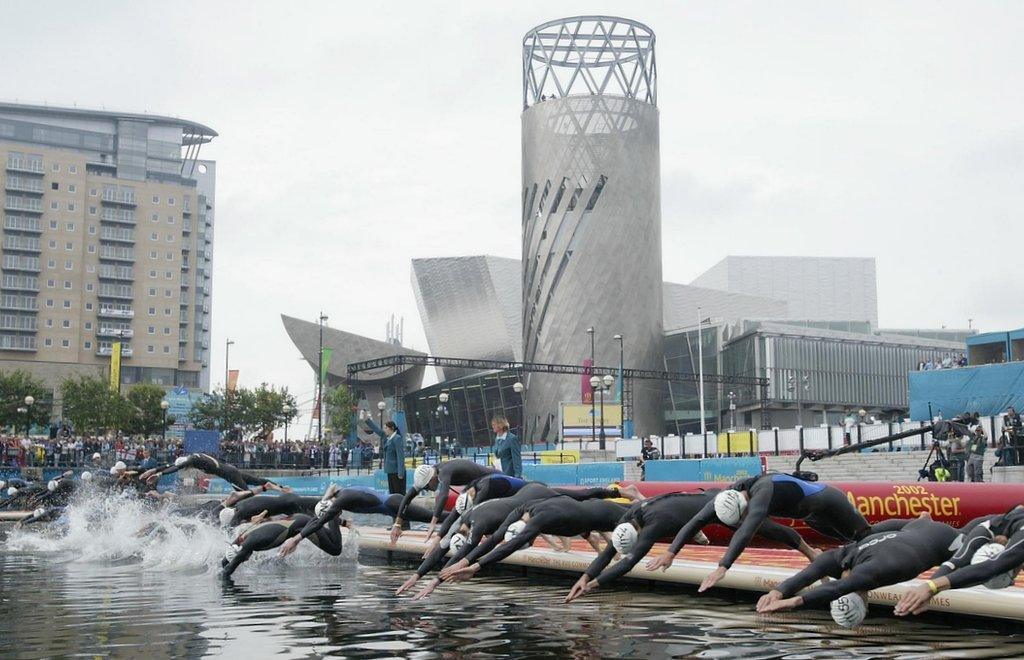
column 826, row 564
column 705, row 517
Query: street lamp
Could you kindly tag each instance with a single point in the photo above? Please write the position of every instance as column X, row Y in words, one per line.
column 163, row 408
column 593, row 430
column 443, row 409
column 622, row 383
column 595, row 385
column 287, row 410
column 320, row 386
column 606, row 384
column 29, row 400
column 380, row 412
column 732, row 410
column 518, row 388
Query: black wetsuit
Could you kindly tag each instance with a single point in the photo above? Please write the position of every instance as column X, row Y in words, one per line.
column 269, row 535
column 456, row 472
column 48, row 514
column 560, row 516
column 875, row 561
column 210, row 465
column 358, row 499
column 959, row 570
column 662, row 517
column 824, row 508
column 285, row 504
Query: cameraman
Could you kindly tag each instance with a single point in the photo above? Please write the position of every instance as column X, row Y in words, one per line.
column 976, row 461
column 1013, row 435
column 648, row 453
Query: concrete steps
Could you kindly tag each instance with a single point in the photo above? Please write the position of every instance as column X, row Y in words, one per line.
column 868, row 466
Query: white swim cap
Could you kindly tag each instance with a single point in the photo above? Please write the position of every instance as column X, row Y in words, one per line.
column 456, row 542
column 86, row 476
column 179, row 460
column 51, row 485
column 113, row 469
column 988, row 552
column 624, row 538
column 422, row 476
column 515, row 529
column 120, row 465
column 96, row 456
column 226, row 515
column 231, row 552
column 463, row 502
column 2, row 484
column 729, row 506
column 39, row 512
column 321, row 507
column 849, row 610
column 12, row 491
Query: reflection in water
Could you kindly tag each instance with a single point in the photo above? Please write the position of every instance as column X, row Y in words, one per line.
column 55, row 603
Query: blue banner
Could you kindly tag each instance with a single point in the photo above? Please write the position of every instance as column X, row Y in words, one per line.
column 729, row 469
column 202, row 442
column 681, row 470
column 313, row 485
column 552, row 474
column 10, row 473
column 599, row 474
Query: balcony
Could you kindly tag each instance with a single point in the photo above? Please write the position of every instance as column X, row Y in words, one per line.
column 26, row 204
column 114, row 331
column 116, row 312
column 110, row 272
column 19, row 223
column 18, row 303
column 17, row 262
column 122, row 216
column 23, row 165
column 18, row 323
column 101, row 164
column 22, row 244
column 20, row 283
column 19, row 184
column 123, row 198
column 120, row 235
column 107, row 351
column 17, row 343
column 117, row 253
column 116, row 291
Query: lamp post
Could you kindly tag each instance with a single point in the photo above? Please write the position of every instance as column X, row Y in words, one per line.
column 593, row 429
column 381, row 406
column 519, row 388
column 443, row 410
column 29, row 401
column 622, row 384
column 22, row 410
column 287, row 410
column 606, row 384
column 320, row 385
column 228, row 343
column 732, row 410
column 595, row 385
column 700, row 369
column 164, row 405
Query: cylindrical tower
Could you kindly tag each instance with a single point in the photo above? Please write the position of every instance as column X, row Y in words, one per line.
column 591, row 207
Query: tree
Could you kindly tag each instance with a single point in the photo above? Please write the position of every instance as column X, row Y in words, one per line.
column 339, row 403
column 14, row 387
column 253, row 413
column 147, row 415
column 91, row 405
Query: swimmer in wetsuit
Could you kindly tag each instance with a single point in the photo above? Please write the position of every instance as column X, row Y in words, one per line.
column 439, row 478
column 877, row 560
column 210, row 465
column 647, row 522
column 1001, row 537
column 748, row 503
column 271, row 534
column 558, row 516
column 357, row 499
column 248, row 507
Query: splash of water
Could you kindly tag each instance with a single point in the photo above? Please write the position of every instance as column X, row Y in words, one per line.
column 110, row 528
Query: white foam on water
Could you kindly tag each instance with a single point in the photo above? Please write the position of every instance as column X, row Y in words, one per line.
column 106, row 528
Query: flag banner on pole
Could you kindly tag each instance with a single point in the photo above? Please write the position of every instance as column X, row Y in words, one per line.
column 232, row 380
column 325, row 361
column 115, row 367
column 618, row 387
column 586, row 393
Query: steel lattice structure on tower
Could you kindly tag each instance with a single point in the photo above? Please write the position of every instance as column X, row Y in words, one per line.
column 591, row 209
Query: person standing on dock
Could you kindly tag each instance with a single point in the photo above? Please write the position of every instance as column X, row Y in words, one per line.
column 392, row 451
column 508, row 448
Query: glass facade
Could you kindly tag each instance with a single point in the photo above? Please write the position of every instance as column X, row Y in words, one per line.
column 472, row 402
column 682, row 399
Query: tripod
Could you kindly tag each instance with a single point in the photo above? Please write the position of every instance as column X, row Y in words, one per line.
column 925, row 472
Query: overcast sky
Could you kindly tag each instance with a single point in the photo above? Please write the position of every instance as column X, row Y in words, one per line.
column 356, row 136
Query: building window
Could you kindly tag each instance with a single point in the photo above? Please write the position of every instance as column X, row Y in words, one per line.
column 88, row 345
column 92, row 192
column 167, row 349
column 156, row 199
column 69, row 265
column 154, row 237
column 88, row 325
column 47, row 342
column 170, row 238
column 54, row 185
column 170, row 201
column 152, row 292
column 92, row 210
column 55, row 167
column 49, row 303
column 51, row 283
column 70, row 226
column 65, row 323
column 170, row 219
column 71, row 206
column 67, row 304
column 152, row 311
column 92, row 229
column 167, row 311
column 151, row 330
column 89, row 287
column 88, row 306
column 53, row 224
column 65, row 343
column 170, row 256
column 72, row 188
column 53, row 245
column 152, row 254
column 90, row 268
column 167, row 331
column 155, row 217
column 51, row 264
column 150, row 349
column 92, row 250
column 167, row 293
column 69, row 247
column 152, row 273
column 54, row 206
column 167, row 275
column 73, row 169
column 67, row 284
column 49, row 323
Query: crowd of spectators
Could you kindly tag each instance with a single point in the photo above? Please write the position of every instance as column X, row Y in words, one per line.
column 71, row 451
column 948, row 361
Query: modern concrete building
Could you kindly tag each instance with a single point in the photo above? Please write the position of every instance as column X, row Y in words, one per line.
column 107, row 236
column 591, row 203
column 814, row 288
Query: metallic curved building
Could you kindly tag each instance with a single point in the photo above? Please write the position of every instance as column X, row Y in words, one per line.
column 591, row 206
